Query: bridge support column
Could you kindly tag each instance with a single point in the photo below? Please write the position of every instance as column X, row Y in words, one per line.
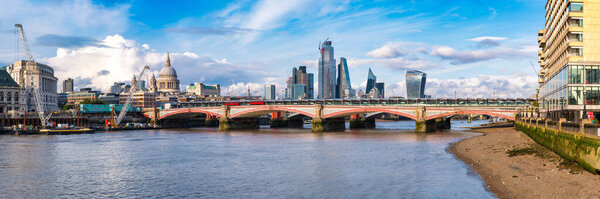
column 277, row 120
column 469, row 118
column 443, row 123
column 321, row 124
column 358, row 122
column 422, row 125
column 211, row 121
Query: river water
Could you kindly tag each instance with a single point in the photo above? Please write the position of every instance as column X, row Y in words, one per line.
column 387, row 162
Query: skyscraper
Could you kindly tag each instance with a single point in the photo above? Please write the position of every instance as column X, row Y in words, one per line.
column 380, row 89
column 270, row 92
column 344, row 88
column 67, row 86
column 300, row 84
column 415, row 84
column 326, row 67
column 371, row 80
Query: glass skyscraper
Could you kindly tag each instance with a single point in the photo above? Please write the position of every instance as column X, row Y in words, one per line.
column 371, row 80
column 270, row 92
column 326, row 67
column 415, row 84
column 344, row 88
column 300, row 77
column 380, row 89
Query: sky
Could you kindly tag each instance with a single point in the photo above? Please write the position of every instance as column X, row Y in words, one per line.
column 474, row 48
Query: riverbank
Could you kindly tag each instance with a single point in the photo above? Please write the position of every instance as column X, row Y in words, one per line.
column 514, row 166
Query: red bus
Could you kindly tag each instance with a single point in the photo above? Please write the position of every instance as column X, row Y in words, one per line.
column 232, row 104
column 257, row 103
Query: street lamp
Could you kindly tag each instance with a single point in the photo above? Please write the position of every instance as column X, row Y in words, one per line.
column 562, row 107
column 584, row 116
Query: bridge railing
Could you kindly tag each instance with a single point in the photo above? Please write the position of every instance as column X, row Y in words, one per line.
column 590, row 130
column 372, row 102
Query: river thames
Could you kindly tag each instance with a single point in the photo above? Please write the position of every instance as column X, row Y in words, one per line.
column 387, row 162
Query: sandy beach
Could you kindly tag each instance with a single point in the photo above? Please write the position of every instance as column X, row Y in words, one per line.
column 514, row 166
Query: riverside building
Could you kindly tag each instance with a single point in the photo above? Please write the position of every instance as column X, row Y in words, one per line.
column 32, row 75
column 569, row 79
column 415, row 84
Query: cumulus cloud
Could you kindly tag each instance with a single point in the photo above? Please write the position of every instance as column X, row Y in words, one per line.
column 513, row 86
column 398, row 63
column 70, row 17
column 117, row 59
column 389, row 50
column 472, row 56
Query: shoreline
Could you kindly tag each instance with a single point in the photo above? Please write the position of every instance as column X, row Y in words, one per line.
column 512, row 165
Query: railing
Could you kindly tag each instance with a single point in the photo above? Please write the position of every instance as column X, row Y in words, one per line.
column 589, row 130
column 374, row 102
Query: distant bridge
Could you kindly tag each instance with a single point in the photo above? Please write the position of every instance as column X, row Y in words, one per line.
column 420, row 110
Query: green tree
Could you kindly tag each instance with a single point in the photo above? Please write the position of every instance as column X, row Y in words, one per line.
column 90, row 101
column 67, row 107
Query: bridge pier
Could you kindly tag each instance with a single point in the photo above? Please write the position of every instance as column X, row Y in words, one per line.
column 359, row 122
column 211, row 121
column 422, row 125
column 469, row 118
column 320, row 124
column 280, row 120
column 238, row 123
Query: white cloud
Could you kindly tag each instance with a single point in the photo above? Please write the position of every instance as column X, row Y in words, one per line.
column 478, row 39
column 118, row 59
column 398, row 63
column 472, row 56
column 73, row 17
column 511, row 86
column 389, row 50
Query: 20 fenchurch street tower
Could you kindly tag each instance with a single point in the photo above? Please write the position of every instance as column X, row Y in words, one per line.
column 327, row 78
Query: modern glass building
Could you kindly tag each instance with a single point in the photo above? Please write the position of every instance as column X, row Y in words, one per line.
column 415, row 84
column 298, row 91
column 326, row 67
column 344, row 88
column 300, row 76
column 569, row 81
column 270, row 92
column 371, row 80
column 380, row 89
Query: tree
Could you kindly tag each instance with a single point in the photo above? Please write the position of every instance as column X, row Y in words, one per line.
column 92, row 101
column 67, row 107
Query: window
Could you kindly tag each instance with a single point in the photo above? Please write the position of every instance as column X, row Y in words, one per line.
column 1, row 96
column 8, row 96
column 575, row 7
column 575, row 95
column 575, row 74
column 592, row 75
column 17, row 97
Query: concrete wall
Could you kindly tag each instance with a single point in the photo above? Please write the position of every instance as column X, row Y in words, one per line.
column 576, row 147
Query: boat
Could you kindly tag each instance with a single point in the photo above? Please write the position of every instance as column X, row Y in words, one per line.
column 66, row 131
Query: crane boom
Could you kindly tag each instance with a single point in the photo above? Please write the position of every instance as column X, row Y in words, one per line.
column 24, row 42
column 132, row 90
column 39, row 106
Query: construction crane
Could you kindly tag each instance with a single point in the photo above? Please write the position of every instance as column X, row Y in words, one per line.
column 132, row 90
column 39, row 106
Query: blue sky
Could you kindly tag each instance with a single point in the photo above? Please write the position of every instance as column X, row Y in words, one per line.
column 477, row 48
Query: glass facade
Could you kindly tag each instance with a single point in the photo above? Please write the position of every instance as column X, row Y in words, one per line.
column 567, row 86
column 371, row 80
column 344, row 87
column 326, row 67
column 270, row 92
column 415, row 84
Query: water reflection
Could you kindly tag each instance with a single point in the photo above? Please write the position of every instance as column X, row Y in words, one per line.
column 388, row 162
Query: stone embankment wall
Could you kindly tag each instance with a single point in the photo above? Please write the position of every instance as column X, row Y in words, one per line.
column 576, row 146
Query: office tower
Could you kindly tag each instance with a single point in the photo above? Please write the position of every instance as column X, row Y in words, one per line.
column 326, row 67
column 371, row 80
column 270, row 92
column 380, row 89
column 344, row 88
column 569, row 59
column 300, row 77
column 415, row 84
column 67, row 86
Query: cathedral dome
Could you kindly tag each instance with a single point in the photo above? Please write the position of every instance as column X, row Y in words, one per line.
column 167, row 71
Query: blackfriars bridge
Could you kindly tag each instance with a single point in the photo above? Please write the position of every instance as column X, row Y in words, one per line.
column 327, row 115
